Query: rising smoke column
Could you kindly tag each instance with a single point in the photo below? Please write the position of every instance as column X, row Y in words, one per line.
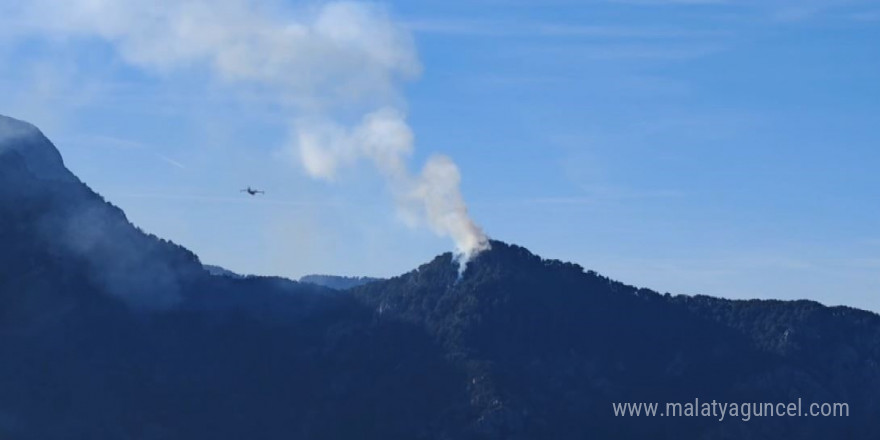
column 385, row 139
column 316, row 61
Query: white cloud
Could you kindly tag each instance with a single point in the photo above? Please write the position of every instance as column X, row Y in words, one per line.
column 338, row 52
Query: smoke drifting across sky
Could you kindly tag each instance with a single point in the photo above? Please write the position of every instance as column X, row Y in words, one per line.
column 319, row 61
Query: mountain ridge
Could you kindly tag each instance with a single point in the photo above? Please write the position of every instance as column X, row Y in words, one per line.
column 109, row 332
column 338, row 282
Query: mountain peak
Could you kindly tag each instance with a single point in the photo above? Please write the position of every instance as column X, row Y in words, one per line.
column 15, row 127
column 501, row 260
column 31, row 147
column 48, row 214
column 511, row 254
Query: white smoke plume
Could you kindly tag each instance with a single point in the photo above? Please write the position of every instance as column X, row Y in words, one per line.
column 384, row 138
column 317, row 60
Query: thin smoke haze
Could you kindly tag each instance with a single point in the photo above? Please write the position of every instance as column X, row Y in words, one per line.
column 317, row 61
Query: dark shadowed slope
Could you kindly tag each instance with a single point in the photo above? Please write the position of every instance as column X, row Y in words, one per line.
column 107, row 332
column 548, row 347
column 49, row 214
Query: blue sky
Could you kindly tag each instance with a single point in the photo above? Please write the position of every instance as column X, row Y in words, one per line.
column 726, row 148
